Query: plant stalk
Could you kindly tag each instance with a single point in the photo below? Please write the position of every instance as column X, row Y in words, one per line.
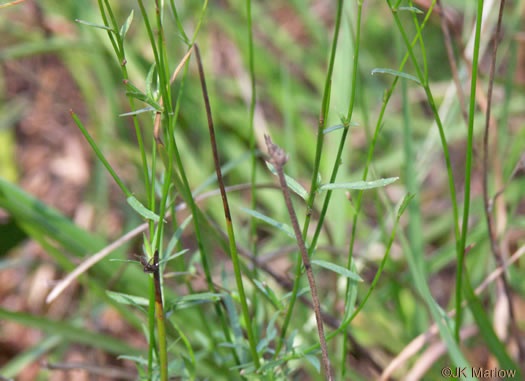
column 279, row 159
column 227, row 214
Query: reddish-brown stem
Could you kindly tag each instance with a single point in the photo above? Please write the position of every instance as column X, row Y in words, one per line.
column 227, row 214
column 488, row 215
column 279, row 159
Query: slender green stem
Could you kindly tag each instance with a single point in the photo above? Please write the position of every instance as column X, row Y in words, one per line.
column 110, row 33
column 460, row 240
column 178, row 22
column 227, row 215
column 149, row 30
column 161, row 326
column 151, row 328
column 163, row 71
column 414, row 227
column 337, row 162
column 119, row 51
column 118, row 46
column 183, row 186
column 437, row 118
column 468, row 171
column 253, row 179
column 422, row 44
column 311, row 196
column 371, row 150
column 156, row 240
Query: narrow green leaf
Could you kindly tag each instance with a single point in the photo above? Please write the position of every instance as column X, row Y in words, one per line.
column 136, row 93
column 131, row 87
column 128, row 299
column 207, row 296
column 314, row 361
column 411, row 9
column 137, row 359
column 176, row 255
column 486, row 330
column 271, row 364
column 270, row 295
column 140, row 111
column 301, row 292
column 291, row 182
column 67, row 331
column 141, row 209
column 337, row 269
column 144, row 98
column 188, row 301
column 188, row 346
column 176, row 236
column 290, row 340
column 338, row 127
column 90, row 24
column 396, row 74
column 404, row 204
column 287, row 229
column 151, row 82
column 233, row 316
column 123, row 260
column 124, row 28
column 358, row 185
column 352, row 295
column 146, row 246
column 271, row 332
column 333, row 128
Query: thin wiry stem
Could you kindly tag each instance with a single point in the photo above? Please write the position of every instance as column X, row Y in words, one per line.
column 452, row 63
column 488, row 215
column 468, row 171
column 379, row 123
column 159, row 311
column 253, row 221
column 439, row 123
column 227, row 214
column 313, row 187
column 337, row 162
column 279, row 159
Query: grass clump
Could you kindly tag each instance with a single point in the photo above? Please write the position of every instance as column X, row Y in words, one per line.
column 176, row 102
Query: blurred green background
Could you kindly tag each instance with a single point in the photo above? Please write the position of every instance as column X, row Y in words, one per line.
column 51, row 64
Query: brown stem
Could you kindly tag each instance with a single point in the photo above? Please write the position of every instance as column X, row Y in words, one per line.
column 227, row 214
column 492, row 235
column 212, row 137
column 279, row 159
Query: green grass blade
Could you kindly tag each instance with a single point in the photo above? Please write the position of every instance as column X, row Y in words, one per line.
column 68, row 332
column 337, row 269
column 359, row 185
